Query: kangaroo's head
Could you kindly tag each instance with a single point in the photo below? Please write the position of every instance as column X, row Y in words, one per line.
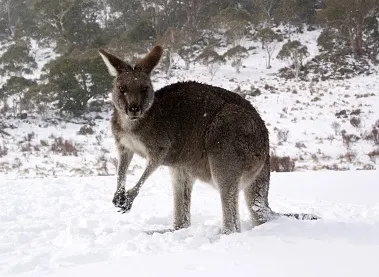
column 133, row 93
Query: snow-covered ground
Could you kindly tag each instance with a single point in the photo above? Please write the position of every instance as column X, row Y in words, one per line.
column 67, row 226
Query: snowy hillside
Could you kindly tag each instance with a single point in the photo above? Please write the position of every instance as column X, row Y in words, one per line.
column 68, row 227
column 323, row 124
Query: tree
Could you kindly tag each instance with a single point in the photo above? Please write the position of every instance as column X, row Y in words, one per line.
column 122, row 14
column 17, row 59
column 71, row 23
column 16, row 19
column 233, row 23
column 266, row 8
column 372, row 38
column 19, row 89
column 77, row 79
column 211, row 59
column 349, row 18
column 236, row 54
column 269, row 40
column 293, row 52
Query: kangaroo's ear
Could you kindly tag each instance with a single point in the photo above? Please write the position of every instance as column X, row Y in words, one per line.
column 152, row 58
column 115, row 65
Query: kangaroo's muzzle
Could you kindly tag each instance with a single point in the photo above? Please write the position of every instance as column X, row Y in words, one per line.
column 134, row 112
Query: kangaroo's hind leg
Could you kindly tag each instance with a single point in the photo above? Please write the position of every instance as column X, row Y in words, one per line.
column 256, row 195
column 182, row 184
column 226, row 177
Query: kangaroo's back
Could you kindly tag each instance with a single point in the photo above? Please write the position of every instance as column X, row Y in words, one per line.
column 183, row 118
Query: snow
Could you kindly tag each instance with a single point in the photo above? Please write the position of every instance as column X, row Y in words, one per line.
column 55, row 225
column 306, row 109
column 67, row 226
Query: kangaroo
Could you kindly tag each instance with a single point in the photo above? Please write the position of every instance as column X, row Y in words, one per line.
column 200, row 132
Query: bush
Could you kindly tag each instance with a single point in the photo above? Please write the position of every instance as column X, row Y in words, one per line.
column 3, row 151
column 336, row 127
column 85, row 130
column 373, row 134
column 350, row 156
column 348, row 139
column 281, row 164
column 30, row 136
column 64, row 146
column 356, row 121
column 282, row 135
column 374, row 155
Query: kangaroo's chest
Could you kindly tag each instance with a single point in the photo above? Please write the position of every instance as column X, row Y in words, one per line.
column 134, row 144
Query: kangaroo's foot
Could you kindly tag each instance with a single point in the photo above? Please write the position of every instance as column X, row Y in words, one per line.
column 124, row 200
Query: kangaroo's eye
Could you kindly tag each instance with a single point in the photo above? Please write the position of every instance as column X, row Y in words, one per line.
column 144, row 88
column 122, row 89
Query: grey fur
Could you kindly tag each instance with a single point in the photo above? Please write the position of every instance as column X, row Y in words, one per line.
column 197, row 130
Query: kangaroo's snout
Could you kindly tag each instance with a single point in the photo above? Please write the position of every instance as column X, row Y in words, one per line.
column 134, row 111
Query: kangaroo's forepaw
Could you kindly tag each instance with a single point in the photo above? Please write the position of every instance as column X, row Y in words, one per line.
column 127, row 205
column 119, row 197
column 123, row 200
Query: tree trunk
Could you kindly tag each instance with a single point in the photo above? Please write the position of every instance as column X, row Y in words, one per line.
column 358, row 41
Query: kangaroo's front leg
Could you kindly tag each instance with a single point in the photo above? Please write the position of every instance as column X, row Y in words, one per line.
column 131, row 194
column 125, row 157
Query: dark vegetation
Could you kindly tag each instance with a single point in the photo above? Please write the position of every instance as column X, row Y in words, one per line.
column 191, row 29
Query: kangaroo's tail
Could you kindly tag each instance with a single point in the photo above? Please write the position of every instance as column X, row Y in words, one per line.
column 300, row 216
column 262, row 214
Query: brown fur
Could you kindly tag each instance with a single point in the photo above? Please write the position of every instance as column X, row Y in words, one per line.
column 201, row 132
column 148, row 63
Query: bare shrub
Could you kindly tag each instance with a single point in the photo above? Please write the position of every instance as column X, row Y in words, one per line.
column 3, row 151
column 281, row 164
column 64, row 146
column 282, row 135
column 335, row 167
column 300, row 145
column 103, row 165
column 16, row 163
column 348, row 139
column 356, row 121
column 350, row 156
column 114, row 162
column 85, row 130
column 373, row 134
column 336, row 127
column 29, row 137
column 99, row 139
column 331, row 138
column 374, row 155
column 26, row 147
column 367, row 167
column 315, row 158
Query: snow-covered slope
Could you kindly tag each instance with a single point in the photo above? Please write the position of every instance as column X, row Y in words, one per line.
column 305, row 111
column 68, row 227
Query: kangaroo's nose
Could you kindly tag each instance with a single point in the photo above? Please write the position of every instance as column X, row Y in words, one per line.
column 134, row 110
